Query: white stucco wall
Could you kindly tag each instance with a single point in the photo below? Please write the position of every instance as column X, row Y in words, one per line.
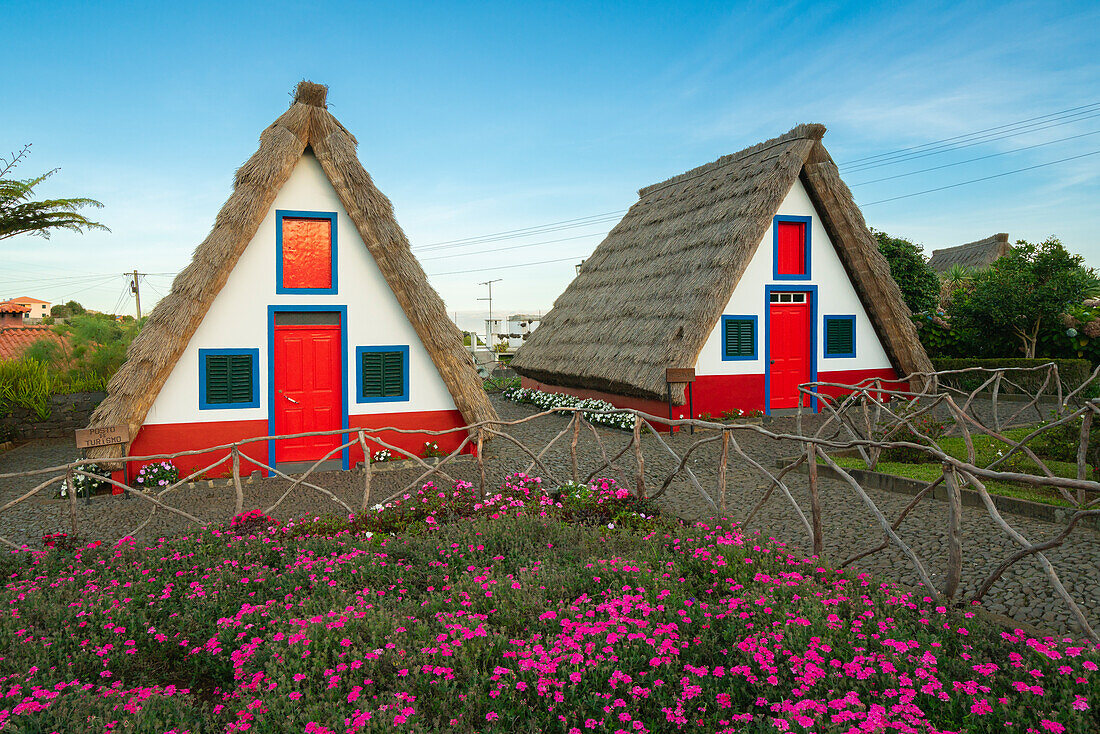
column 238, row 317
column 835, row 293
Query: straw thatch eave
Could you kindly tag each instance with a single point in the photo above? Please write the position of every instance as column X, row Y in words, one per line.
column 170, row 326
column 654, row 289
column 973, row 255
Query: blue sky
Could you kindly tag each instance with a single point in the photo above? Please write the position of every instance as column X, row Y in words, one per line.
column 486, row 117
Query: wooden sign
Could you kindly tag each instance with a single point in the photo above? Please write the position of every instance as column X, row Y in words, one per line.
column 87, row 438
column 679, row 375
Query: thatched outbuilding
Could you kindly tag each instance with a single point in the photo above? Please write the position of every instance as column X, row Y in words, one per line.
column 976, row 255
column 756, row 269
column 304, row 309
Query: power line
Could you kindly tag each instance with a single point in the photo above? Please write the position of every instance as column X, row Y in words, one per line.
column 984, row 178
column 1029, row 125
column 544, row 230
column 972, row 160
column 94, row 285
column 949, row 149
column 512, row 231
column 971, row 134
column 505, row 267
column 511, row 247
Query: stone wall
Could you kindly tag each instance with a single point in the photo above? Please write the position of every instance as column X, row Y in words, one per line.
column 67, row 413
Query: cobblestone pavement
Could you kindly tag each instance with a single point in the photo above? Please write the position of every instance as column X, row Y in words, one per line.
column 1023, row 593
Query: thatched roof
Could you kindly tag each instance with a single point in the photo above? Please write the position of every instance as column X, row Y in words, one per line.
column 973, row 255
column 307, row 124
column 652, row 291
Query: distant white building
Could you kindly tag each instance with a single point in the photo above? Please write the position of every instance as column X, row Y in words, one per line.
column 520, row 325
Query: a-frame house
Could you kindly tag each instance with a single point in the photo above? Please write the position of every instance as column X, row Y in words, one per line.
column 303, row 310
column 757, row 270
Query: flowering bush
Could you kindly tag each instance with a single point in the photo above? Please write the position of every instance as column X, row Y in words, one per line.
column 251, row 521
column 548, row 400
column 86, row 486
column 430, row 450
column 509, row 624
column 383, row 455
column 157, row 475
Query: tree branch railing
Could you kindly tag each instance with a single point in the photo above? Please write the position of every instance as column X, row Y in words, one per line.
column 864, row 419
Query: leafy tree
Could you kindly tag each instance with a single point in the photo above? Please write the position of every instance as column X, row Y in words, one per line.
column 918, row 282
column 98, row 342
column 20, row 214
column 75, row 309
column 1021, row 293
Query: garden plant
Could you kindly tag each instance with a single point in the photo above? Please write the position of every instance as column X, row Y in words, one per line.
column 570, row 609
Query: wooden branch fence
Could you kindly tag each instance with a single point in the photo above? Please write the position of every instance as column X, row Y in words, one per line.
column 866, row 418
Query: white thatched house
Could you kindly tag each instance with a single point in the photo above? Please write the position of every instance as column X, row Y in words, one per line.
column 303, row 310
column 756, row 270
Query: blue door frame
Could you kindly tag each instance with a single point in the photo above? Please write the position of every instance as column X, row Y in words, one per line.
column 811, row 290
column 271, row 311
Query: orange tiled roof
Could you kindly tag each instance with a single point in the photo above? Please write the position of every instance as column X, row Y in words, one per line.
column 15, row 340
column 12, row 307
column 28, row 299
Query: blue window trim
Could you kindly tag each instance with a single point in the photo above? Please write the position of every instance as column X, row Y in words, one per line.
column 271, row 311
column 776, row 275
column 825, row 335
column 404, row 396
column 726, row 357
column 811, row 290
column 253, row 403
column 280, row 215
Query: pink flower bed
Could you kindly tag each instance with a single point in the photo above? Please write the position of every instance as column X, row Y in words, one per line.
column 505, row 617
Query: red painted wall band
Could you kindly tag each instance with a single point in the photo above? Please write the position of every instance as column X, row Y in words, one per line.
column 169, row 438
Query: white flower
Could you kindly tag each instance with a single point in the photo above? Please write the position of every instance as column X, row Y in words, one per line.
column 610, row 526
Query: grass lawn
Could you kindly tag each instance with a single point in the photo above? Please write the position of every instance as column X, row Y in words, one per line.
column 985, row 452
column 517, row 615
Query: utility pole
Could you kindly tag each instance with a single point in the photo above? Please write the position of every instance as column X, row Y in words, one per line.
column 489, row 323
column 135, row 288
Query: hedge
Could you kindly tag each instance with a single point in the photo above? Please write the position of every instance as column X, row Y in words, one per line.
column 1072, row 373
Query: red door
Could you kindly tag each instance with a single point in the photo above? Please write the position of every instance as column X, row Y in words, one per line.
column 789, row 362
column 308, row 383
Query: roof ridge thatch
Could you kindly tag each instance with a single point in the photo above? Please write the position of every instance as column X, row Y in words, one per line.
column 806, row 131
column 644, row 299
column 977, row 254
column 170, row 326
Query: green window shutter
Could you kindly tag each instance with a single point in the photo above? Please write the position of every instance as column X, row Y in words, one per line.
column 383, row 374
column 229, row 379
column 217, row 379
column 393, row 374
column 372, row 374
column 240, row 378
column 740, row 338
column 840, row 337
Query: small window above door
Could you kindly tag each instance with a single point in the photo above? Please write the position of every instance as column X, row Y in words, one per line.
column 305, row 252
column 791, row 250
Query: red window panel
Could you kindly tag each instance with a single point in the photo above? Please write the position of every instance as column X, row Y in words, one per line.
column 307, row 253
column 791, row 255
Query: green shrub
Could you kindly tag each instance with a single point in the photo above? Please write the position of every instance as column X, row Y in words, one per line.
column 1060, row 443
column 25, row 383
column 928, row 430
column 1071, row 372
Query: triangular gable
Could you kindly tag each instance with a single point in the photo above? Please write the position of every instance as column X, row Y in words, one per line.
column 170, row 326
